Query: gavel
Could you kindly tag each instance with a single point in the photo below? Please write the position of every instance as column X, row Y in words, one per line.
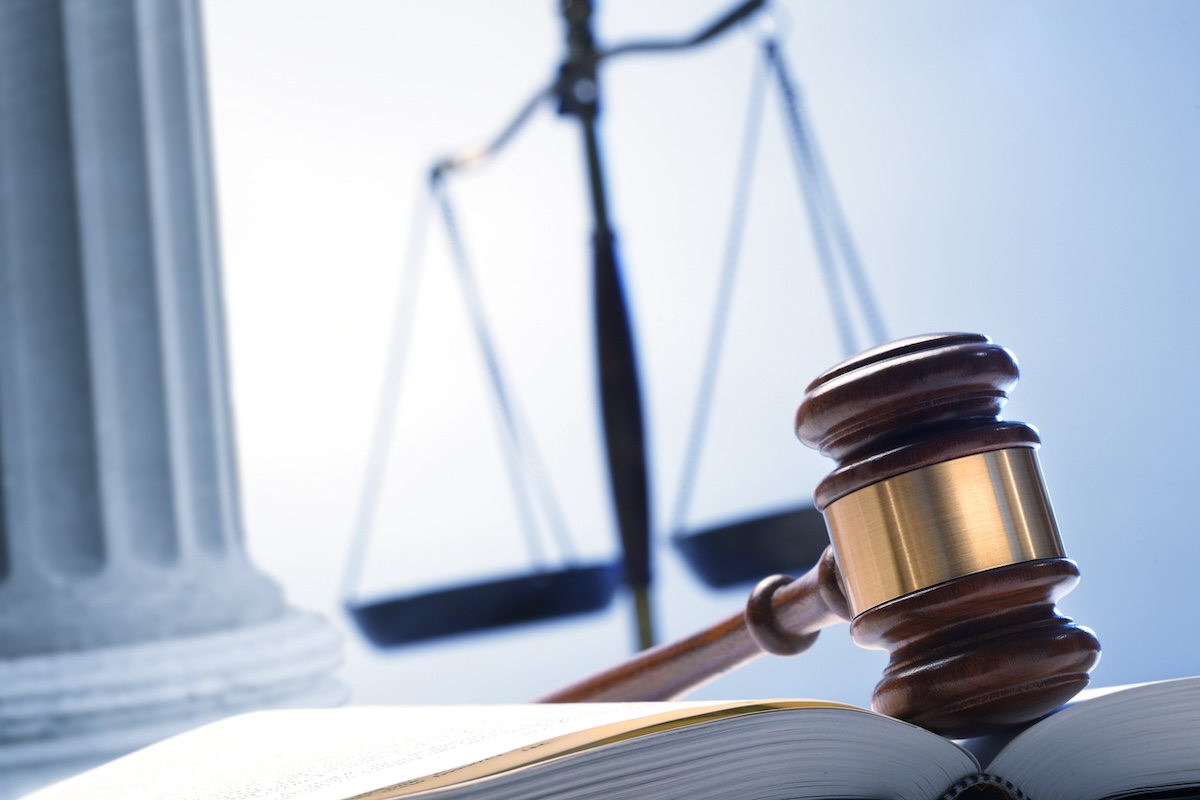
column 944, row 551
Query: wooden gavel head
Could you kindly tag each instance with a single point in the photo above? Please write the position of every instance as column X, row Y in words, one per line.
column 944, row 539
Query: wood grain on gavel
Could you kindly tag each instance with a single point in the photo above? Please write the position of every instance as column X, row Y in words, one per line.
column 944, row 551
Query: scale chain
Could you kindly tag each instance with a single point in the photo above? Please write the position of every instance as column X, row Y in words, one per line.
column 519, row 449
column 724, row 296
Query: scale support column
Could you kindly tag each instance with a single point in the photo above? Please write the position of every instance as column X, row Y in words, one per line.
column 620, row 390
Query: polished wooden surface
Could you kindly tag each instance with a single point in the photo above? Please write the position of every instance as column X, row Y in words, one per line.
column 970, row 655
column 980, row 653
column 782, row 616
column 914, row 385
column 909, row 404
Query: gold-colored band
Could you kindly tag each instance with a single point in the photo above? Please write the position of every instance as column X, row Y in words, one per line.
column 940, row 522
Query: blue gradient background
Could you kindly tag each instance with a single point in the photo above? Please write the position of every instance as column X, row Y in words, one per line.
column 1026, row 170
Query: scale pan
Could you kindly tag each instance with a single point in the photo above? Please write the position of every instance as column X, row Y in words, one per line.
column 490, row 604
column 749, row 550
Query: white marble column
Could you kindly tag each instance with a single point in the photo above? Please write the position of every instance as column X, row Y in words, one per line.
column 128, row 606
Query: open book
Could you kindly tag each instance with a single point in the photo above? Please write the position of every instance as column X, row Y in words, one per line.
column 1140, row 740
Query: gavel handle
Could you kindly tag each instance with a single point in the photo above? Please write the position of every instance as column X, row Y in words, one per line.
column 782, row 616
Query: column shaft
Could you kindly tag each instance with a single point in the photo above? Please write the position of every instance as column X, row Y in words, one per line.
column 121, row 520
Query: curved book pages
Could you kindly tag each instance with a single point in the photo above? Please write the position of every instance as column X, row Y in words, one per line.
column 1144, row 740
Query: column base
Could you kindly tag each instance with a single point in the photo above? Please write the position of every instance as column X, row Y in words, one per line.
column 62, row 713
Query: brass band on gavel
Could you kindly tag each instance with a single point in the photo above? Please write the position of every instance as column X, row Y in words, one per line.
column 940, row 522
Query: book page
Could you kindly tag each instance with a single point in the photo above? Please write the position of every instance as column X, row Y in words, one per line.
column 337, row 754
column 787, row 754
column 1127, row 741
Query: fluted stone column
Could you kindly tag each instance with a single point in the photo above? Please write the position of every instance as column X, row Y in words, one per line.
column 128, row 606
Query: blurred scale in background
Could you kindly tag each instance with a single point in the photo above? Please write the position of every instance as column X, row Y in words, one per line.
column 1022, row 170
